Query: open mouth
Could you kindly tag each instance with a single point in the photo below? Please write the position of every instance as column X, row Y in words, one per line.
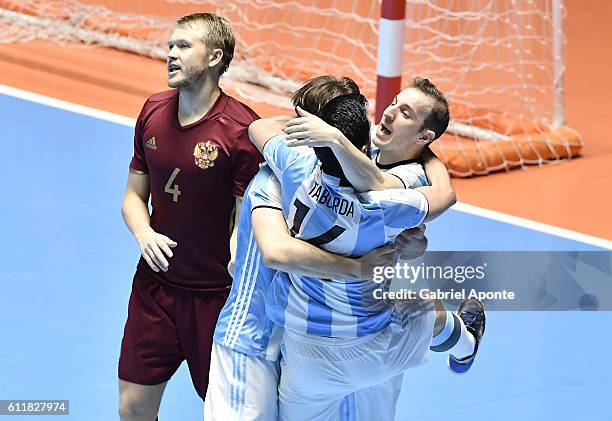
column 173, row 68
column 384, row 129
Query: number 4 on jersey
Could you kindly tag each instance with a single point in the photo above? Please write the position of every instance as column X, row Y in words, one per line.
column 173, row 190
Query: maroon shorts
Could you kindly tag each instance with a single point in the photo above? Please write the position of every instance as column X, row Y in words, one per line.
column 164, row 327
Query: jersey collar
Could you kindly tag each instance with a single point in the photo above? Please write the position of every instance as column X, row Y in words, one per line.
column 217, row 108
column 395, row 164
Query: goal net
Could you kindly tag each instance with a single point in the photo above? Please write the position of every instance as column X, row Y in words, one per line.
column 500, row 62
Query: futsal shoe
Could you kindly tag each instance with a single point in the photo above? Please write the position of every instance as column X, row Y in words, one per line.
column 472, row 313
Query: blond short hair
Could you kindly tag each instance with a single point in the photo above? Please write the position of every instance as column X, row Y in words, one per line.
column 218, row 34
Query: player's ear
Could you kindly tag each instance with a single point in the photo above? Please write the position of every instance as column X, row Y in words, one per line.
column 302, row 112
column 426, row 137
column 214, row 57
column 366, row 150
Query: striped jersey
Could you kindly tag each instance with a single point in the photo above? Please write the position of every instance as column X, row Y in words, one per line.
column 242, row 324
column 410, row 172
column 335, row 218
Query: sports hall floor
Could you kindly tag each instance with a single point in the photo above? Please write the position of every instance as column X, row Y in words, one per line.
column 67, row 258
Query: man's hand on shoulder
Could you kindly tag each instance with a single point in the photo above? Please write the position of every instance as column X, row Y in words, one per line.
column 154, row 248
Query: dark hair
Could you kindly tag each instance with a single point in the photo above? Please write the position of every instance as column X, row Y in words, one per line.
column 318, row 91
column 349, row 114
column 218, row 34
column 439, row 116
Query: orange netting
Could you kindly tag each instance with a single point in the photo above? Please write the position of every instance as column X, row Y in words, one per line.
column 493, row 59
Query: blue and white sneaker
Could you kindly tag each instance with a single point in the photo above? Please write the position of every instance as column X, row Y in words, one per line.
column 472, row 313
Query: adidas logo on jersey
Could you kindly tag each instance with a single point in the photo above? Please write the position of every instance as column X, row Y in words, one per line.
column 151, row 143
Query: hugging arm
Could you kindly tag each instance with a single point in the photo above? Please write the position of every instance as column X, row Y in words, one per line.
column 361, row 172
column 285, row 253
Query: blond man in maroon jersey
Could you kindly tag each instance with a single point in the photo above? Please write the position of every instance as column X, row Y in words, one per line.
column 193, row 159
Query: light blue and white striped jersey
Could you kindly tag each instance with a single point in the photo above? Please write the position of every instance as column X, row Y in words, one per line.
column 410, row 172
column 335, row 218
column 243, row 325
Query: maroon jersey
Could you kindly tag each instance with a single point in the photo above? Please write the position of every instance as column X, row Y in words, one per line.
column 194, row 173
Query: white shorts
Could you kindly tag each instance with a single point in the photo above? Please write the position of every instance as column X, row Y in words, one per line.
column 372, row 403
column 317, row 372
column 241, row 387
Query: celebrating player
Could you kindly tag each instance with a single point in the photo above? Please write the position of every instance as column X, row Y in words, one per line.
column 245, row 367
column 307, row 307
column 193, row 158
column 417, row 116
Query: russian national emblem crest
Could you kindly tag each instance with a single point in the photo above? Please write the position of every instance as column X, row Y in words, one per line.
column 205, row 154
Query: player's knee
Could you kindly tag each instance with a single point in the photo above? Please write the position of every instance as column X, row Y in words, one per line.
column 133, row 407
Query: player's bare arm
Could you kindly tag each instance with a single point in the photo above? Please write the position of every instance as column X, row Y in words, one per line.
column 361, row 172
column 310, row 130
column 262, row 130
column 285, row 253
column 441, row 188
column 233, row 243
column 154, row 247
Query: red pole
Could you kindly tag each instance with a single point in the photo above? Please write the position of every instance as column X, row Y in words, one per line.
column 390, row 51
